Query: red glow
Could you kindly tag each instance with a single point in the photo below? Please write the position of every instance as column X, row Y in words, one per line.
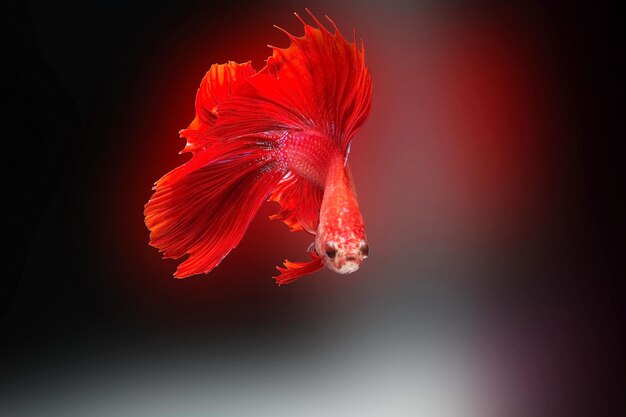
column 490, row 99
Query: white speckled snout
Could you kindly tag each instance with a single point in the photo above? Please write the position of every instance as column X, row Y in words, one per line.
column 348, row 267
column 345, row 262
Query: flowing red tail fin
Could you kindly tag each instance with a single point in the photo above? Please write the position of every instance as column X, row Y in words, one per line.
column 219, row 83
column 320, row 84
column 204, row 209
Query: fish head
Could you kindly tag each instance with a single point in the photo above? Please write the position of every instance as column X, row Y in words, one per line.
column 343, row 256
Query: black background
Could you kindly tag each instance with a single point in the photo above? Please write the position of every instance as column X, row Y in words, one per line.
column 58, row 149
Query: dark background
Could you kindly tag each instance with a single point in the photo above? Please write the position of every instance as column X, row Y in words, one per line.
column 93, row 323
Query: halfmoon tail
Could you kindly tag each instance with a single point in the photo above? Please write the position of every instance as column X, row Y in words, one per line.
column 204, row 207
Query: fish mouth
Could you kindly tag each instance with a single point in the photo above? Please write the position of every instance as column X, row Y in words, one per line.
column 345, row 266
column 349, row 267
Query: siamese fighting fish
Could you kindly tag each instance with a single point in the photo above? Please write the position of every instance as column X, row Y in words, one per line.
column 280, row 134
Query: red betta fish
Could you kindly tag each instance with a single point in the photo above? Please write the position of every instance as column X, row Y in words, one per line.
column 281, row 134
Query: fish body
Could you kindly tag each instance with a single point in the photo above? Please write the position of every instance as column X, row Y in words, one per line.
column 281, row 134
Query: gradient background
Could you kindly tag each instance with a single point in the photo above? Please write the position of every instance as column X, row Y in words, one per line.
column 487, row 174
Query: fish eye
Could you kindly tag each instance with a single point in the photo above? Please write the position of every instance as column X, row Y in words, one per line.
column 365, row 249
column 331, row 250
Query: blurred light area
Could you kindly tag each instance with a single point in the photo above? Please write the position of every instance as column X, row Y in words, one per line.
column 425, row 377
